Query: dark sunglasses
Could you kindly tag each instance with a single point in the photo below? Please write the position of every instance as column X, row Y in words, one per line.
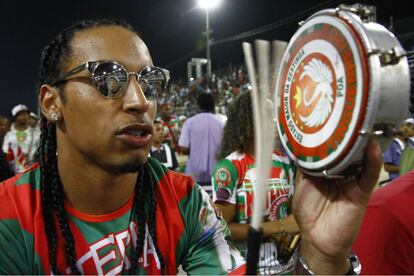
column 110, row 78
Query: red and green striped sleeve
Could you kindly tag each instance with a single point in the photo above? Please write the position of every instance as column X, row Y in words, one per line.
column 17, row 252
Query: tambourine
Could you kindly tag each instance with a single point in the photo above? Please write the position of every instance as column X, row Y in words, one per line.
column 342, row 81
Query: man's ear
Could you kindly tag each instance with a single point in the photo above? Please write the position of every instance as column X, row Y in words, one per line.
column 50, row 103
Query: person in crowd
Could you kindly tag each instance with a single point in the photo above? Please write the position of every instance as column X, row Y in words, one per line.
column 33, row 120
column 233, row 180
column 407, row 156
column 171, row 125
column 385, row 244
column 5, row 170
column 410, row 125
column 200, row 139
column 392, row 155
column 97, row 204
column 161, row 151
column 4, row 127
column 21, row 142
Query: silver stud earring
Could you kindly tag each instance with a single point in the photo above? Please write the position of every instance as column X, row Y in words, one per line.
column 54, row 117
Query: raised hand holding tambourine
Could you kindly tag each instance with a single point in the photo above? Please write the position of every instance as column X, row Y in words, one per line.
column 343, row 81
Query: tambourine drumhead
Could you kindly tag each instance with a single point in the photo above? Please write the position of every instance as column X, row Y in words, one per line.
column 324, row 93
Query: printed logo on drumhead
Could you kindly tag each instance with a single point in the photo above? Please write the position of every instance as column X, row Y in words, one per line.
column 223, row 177
column 319, row 99
column 313, row 94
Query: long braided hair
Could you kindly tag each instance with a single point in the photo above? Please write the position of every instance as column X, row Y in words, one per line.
column 52, row 62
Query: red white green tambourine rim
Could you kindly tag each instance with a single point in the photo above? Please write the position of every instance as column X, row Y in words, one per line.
column 323, row 92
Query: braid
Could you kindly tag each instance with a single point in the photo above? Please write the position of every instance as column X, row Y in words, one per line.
column 53, row 198
column 58, row 204
column 144, row 219
column 152, row 223
column 139, row 208
column 47, row 193
column 52, row 61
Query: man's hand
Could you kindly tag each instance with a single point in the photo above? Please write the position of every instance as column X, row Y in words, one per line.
column 329, row 215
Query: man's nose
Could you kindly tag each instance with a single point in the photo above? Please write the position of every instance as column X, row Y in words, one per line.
column 134, row 98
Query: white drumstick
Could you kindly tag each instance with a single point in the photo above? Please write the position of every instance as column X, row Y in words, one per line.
column 263, row 119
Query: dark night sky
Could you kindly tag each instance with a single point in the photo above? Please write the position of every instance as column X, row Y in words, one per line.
column 171, row 28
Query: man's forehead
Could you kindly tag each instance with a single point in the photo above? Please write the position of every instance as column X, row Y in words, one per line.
column 110, row 43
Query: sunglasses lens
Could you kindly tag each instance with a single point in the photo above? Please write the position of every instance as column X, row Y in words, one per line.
column 152, row 81
column 109, row 78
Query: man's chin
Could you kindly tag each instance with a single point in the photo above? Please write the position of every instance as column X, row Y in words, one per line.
column 132, row 166
column 129, row 168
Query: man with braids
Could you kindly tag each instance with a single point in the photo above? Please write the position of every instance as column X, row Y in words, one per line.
column 96, row 204
column 233, row 180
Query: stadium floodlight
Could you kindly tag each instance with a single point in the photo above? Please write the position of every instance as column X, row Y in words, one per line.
column 208, row 4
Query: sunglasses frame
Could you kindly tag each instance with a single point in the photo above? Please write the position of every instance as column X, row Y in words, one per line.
column 92, row 65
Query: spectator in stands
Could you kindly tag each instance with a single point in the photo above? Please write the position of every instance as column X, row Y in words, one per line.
column 21, row 142
column 410, row 124
column 33, row 120
column 161, row 151
column 171, row 125
column 200, row 139
column 4, row 127
column 5, row 170
column 407, row 156
column 392, row 155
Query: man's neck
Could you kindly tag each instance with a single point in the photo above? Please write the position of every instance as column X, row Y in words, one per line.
column 250, row 149
column 156, row 144
column 401, row 138
column 91, row 189
column 20, row 127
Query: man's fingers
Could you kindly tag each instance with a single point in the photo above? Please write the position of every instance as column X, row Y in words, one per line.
column 372, row 169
